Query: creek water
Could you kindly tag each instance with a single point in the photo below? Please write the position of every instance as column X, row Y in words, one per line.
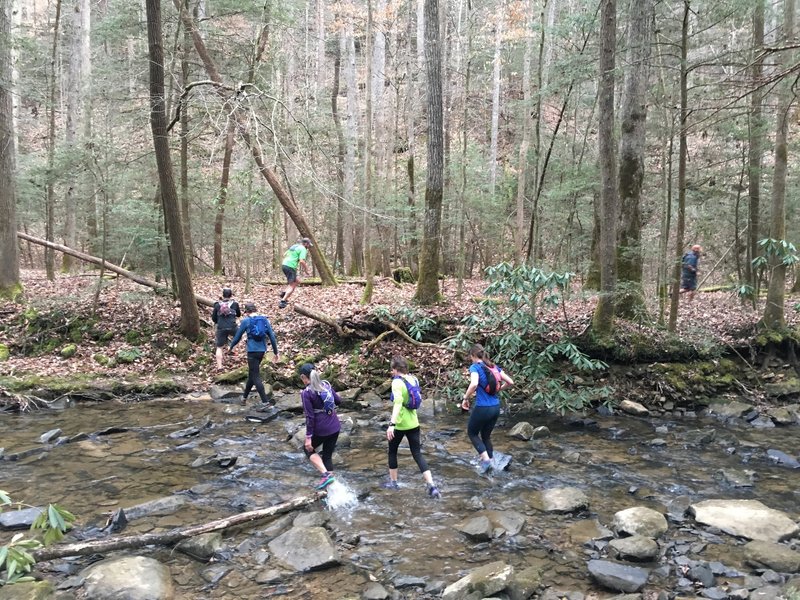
column 390, row 536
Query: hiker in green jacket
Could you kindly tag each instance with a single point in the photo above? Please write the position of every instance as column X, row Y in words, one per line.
column 294, row 258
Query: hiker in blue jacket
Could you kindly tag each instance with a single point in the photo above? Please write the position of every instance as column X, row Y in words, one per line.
column 258, row 330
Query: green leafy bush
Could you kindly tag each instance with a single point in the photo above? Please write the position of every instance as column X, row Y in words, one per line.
column 534, row 352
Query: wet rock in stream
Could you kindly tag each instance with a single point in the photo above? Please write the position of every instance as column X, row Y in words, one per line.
column 129, row 577
column 33, row 590
column 778, row 557
column 637, row 548
column 305, row 549
column 783, row 459
column 745, row 518
column 48, row 437
column 564, row 500
column 617, row 576
column 482, row 582
column 640, row 520
column 19, row 519
column 159, row 507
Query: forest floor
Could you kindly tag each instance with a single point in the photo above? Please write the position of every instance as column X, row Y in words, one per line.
column 133, row 336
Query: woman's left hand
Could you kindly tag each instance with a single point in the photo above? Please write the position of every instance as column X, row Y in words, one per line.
column 390, row 433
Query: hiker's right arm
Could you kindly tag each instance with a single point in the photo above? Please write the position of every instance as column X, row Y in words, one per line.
column 506, row 382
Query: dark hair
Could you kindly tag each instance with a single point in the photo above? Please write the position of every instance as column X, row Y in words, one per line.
column 227, row 292
column 306, row 242
column 249, row 307
column 479, row 351
column 306, row 369
column 399, row 364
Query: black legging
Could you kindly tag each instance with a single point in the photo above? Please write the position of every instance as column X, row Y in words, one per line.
column 481, row 423
column 414, row 443
column 254, row 375
column 328, row 446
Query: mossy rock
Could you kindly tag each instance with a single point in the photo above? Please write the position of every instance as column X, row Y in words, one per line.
column 403, row 275
column 106, row 337
column 30, row 313
column 127, row 356
column 30, row 590
column 68, row 351
column 4, row 352
column 101, row 359
column 183, row 349
column 133, row 337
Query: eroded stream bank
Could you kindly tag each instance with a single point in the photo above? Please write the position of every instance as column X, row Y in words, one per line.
column 408, row 544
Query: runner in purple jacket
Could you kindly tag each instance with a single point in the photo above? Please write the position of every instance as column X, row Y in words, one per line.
column 322, row 422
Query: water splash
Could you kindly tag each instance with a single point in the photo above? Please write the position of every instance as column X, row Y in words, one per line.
column 341, row 496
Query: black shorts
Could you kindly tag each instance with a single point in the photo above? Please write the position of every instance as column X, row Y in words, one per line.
column 291, row 274
column 222, row 336
column 689, row 282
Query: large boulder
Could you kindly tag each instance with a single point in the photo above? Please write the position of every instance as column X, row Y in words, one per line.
column 32, row 590
column 524, row 583
column 521, row 431
column 305, row 549
column 128, row 578
column 618, row 577
column 481, row 583
column 772, row 556
column 727, row 410
column 633, row 408
column 290, row 403
column 564, row 500
column 745, row 518
column 640, row 520
column 636, row 548
column 492, row 524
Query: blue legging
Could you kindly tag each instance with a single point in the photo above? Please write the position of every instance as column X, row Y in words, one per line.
column 414, row 443
column 481, row 423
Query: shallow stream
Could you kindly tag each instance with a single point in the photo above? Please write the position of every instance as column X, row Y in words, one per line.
column 391, row 536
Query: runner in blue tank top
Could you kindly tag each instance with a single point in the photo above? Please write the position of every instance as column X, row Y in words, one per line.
column 484, row 414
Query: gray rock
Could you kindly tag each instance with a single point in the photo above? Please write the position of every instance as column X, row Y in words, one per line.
column 541, row 433
column 369, row 399
column 702, row 575
column 735, row 477
column 222, row 392
column 350, row 394
column 128, row 578
column 564, row 500
column 184, row 433
column 201, row 547
column 162, row 506
column 635, row 547
column 783, row 459
column 32, row 590
column 434, row 587
column 480, row 583
column 216, row 573
column 317, row 518
column 677, row 507
column 478, row 528
column 772, row 556
column 639, row 520
column 715, row 593
column 290, row 403
column 618, row 577
column 633, row 408
column 48, row 437
column 406, row 581
column 270, row 576
column 762, row 422
column 305, row 549
column 785, row 415
column 19, row 519
column 524, row 583
column 657, row 442
column 728, row 410
column 699, row 437
column 745, row 518
column 375, row 591
column 521, row 431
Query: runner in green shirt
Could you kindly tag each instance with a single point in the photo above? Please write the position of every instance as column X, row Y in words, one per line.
column 295, row 257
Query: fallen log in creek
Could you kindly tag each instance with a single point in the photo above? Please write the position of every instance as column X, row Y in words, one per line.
column 168, row 538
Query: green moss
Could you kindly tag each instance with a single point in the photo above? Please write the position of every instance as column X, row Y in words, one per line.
column 403, row 275
column 4, row 352
column 132, row 337
column 183, row 349
column 101, row 359
column 68, row 351
column 12, row 292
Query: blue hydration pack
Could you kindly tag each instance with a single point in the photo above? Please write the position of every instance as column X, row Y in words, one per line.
column 414, row 394
column 257, row 328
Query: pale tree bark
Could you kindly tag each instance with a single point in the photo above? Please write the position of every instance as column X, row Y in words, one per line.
column 496, row 76
column 630, row 300
column 9, row 266
column 353, row 224
column 290, row 207
column 755, row 134
column 428, row 284
column 462, row 225
column 369, row 232
column 50, row 202
column 410, row 106
column 187, row 223
column 524, row 147
column 87, row 96
column 341, row 46
column 683, row 151
column 773, row 311
column 190, row 318
column 222, row 195
column 15, row 24
column 603, row 319
column 319, row 79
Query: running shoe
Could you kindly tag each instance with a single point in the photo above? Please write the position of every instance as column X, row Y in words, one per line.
column 283, row 293
column 390, row 484
column 325, row 481
column 283, row 304
column 434, row 492
column 485, row 467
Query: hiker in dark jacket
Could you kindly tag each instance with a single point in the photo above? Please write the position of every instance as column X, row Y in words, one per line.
column 258, row 330
column 225, row 314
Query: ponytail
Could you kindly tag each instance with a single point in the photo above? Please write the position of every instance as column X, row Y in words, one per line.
column 479, row 351
column 316, row 381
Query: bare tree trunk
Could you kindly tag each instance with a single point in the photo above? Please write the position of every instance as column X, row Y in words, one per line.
column 187, row 223
column 10, row 287
column 338, row 256
column 428, row 283
column 73, row 117
column 222, row 197
column 682, row 156
column 756, row 133
column 773, row 311
column 462, row 212
column 603, row 320
column 374, row 92
column 351, row 141
column 87, row 96
column 496, row 72
column 49, row 227
column 411, row 91
column 630, row 301
column 190, row 318
column 524, row 147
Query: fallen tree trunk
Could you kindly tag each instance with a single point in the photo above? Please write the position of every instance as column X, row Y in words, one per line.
column 168, row 538
column 202, row 300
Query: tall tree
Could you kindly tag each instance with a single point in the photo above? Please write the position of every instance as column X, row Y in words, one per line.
column 603, row 320
column 190, row 318
column 527, row 123
column 773, row 311
column 428, row 283
column 9, row 265
column 50, row 201
column 755, row 135
column 630, row 299
column 497, row 65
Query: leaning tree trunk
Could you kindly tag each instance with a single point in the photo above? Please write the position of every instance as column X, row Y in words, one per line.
column 773, row 312
column 190, row 318
column 630, row 302
column 428, row 283
column 9, row 250
column 603, row 320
